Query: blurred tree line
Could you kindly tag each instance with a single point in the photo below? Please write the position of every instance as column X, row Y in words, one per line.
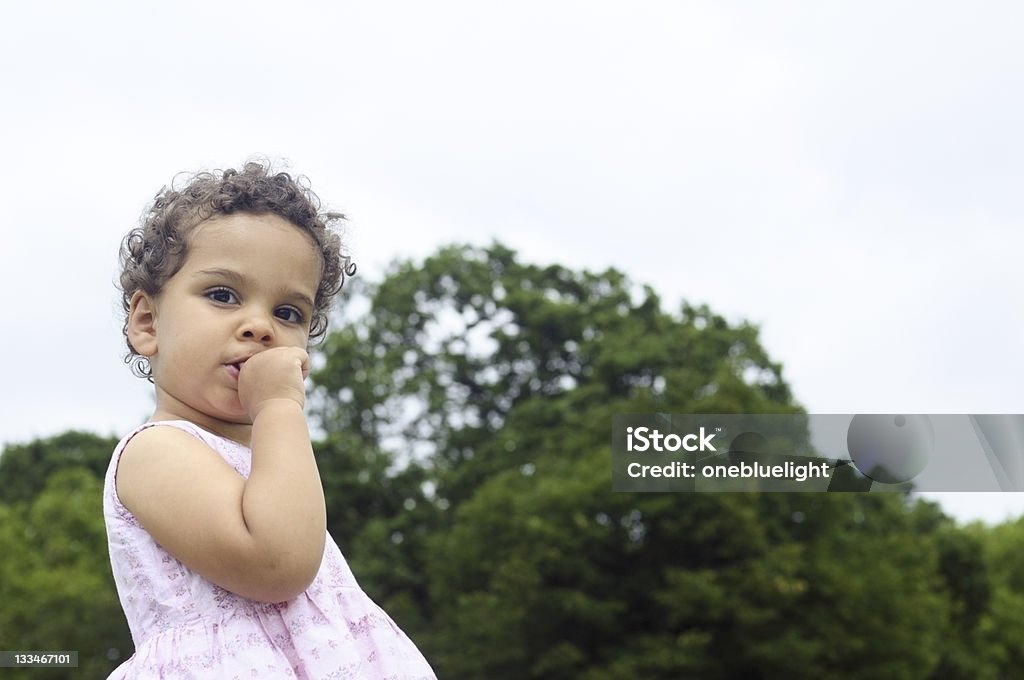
column 466, row 404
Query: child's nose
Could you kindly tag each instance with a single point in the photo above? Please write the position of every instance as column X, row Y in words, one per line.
column 257, row 328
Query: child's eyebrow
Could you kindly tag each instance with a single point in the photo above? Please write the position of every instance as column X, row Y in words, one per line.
column 239, row 279
column 222, row 273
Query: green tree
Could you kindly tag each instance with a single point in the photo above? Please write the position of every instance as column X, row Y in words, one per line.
column 994, row 647
column 505, row 549
column 970, row 652
column 55, row 579
column 25, row 468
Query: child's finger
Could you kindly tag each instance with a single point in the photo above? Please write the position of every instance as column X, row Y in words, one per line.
column 304, row 365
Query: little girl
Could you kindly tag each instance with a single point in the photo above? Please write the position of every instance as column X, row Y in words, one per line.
column 214, row 508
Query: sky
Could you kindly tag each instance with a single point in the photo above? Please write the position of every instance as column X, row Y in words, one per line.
column 844, row 175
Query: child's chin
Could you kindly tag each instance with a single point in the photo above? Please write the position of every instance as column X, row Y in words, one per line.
column 234, row 414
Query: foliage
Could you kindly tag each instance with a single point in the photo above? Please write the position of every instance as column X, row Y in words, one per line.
column 55, row 579
column 499, row 379
column 25, row 468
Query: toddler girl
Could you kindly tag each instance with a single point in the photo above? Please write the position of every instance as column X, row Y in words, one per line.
column 214, row 508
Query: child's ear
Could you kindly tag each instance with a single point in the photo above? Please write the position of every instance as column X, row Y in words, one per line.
column 142, row 324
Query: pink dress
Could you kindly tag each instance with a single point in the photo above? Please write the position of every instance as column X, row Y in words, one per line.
column 184, row 626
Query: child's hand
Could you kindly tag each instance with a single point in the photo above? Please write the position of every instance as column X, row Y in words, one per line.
column 276, row 373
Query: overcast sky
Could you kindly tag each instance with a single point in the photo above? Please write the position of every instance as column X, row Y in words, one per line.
column 847, row 176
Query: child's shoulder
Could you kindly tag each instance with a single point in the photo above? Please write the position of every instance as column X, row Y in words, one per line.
column 166, row 437
column 158, row 429
column 154, row 435
column 160, row 453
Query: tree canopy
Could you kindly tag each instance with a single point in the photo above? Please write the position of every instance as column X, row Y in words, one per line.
column 489, row 385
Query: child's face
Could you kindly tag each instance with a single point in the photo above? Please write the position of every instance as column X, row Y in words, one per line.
column 248, row 284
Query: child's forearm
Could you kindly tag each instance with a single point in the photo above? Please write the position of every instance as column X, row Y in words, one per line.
column 283, row 501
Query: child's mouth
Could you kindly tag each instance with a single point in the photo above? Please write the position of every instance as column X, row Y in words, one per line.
column 235, row 367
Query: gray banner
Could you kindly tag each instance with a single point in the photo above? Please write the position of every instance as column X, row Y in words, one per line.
column 863, row 452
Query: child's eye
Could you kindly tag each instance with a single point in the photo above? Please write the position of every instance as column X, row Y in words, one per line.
column 289, row 314
column 223, row 296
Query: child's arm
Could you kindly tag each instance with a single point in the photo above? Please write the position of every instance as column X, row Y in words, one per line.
column 262, row 538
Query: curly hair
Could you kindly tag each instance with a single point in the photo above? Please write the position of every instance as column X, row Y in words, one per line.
column 154, row 251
